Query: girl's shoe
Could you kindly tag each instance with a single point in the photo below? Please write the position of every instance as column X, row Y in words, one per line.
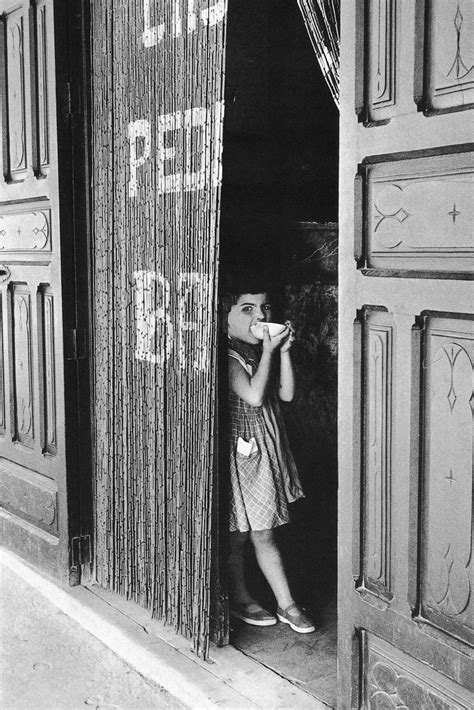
column 296, row 618
column 253, row 614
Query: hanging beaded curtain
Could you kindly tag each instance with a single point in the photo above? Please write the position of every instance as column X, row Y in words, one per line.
column 157, row 114
column 322, row 22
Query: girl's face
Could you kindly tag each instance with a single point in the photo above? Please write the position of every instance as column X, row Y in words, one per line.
column 250, row 308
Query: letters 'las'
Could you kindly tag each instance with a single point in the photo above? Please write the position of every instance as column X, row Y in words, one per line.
column 209, row 13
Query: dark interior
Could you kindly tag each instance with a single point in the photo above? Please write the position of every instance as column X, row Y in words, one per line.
column 279, row 215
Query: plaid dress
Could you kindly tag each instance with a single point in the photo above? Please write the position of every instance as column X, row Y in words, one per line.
column 263, row 483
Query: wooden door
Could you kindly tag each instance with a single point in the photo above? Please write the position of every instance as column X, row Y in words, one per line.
column 39, row 313
column 406, row 354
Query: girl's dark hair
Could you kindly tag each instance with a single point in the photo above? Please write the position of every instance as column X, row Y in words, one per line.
column 235, row 284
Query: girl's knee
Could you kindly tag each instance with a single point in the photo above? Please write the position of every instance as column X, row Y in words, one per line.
column 263, row 538
column 238, row 539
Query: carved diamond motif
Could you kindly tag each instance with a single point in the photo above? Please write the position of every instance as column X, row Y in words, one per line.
column 26, row 231
column 452, row 397
column 458, row 19
column 458, row 65
column 400, row 216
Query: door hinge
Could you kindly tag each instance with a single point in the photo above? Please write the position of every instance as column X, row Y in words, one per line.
column 74, row 103
column 81, row 555
column 75, row 344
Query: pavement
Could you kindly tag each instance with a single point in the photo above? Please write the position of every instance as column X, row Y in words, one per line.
column 47, row 660
column 64, row 648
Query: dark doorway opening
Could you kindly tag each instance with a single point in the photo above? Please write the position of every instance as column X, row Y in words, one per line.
column 279, row 212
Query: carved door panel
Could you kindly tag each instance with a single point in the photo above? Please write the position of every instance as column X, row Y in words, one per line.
column 406, row 611
column 33, row 500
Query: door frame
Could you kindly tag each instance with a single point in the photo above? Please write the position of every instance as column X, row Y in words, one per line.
column 72, row 95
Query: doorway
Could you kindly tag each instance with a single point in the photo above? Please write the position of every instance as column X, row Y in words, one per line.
column 279, row 212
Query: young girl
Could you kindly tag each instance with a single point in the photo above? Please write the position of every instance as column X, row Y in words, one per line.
column 263, row 475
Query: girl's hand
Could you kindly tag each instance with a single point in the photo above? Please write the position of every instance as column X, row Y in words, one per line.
column 289, row 337
column 270, row 344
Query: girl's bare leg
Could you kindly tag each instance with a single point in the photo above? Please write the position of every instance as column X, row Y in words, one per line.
column 238, row 588
column 271, row 563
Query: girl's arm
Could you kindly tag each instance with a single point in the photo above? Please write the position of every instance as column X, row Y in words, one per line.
column 287, row 375
column 252, row 389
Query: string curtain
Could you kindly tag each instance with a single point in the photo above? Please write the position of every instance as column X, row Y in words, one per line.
column 321, row 18
column 157, row 117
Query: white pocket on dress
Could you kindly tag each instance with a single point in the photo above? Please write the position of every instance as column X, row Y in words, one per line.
column 246, row 448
